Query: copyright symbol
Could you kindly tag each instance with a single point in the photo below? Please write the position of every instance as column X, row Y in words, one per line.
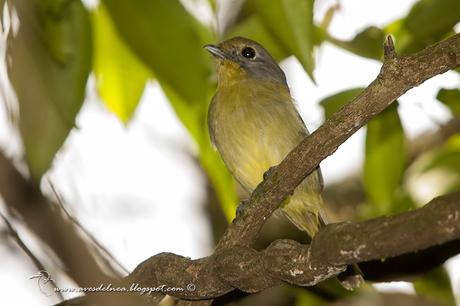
column 191, row 287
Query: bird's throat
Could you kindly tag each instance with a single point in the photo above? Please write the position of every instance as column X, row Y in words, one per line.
column 230, row 73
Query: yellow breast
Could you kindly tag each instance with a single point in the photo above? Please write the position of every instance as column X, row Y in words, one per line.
column 253, row 124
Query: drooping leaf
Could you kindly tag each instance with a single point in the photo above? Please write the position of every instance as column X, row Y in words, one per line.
column 253, row 28
column 195, row 121
column 221, row 179
column 333, row 103
column 120, row 75
column 435, row 285
column 385, row 158
column 451, row 98
column 168, row 40
column 50, row 59
column 367, row 43
column 291, row 22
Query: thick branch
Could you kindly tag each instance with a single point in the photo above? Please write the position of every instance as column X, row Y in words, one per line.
column 334, row 247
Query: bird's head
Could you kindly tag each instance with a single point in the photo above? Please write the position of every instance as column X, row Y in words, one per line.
column 242, row 58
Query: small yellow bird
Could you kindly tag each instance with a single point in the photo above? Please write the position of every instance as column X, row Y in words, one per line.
column 254, row 124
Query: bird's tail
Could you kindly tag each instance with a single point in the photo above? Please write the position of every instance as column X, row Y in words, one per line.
column 307, row 217
column 310, row 218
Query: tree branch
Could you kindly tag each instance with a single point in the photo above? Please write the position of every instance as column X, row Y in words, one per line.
column 235, row 265
column 332, row 249
column 37, row 263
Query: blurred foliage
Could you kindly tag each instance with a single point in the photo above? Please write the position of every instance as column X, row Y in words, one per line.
column 445, row 160
column 304, row 297
column 254, row 28
column 451, row 98
column 335, row 102
column 49, row 62
column 436, row 286
column 291, row 24
column 170, row 42
column 385, row 158
column 446, row 157
column 427, row 22
column 367, row 43
column 120, row 75
column 51, row 56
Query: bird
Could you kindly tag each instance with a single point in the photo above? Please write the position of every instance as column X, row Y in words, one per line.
column 253, row 123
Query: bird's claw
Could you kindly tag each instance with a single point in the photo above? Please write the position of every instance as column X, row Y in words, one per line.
column 241, row 207
column 268, row 172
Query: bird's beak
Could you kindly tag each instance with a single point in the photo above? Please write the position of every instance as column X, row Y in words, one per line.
column 216, row 51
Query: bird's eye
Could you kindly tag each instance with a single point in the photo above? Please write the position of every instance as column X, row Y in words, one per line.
column 248, row 52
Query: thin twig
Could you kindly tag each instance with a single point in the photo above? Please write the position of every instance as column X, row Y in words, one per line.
column 37, row 263
column 106, row 255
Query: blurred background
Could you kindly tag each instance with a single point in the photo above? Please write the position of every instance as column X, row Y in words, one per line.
column 105, row 158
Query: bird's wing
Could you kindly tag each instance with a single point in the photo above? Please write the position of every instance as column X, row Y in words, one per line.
column 210, row 116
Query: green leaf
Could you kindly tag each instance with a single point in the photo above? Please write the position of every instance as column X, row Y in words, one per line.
column 404, row 41
column 440, row 165
column 221, row 179
column 447, row 157
column 305, row 297
column 451, row 98
column 194, row 119
column 435, row 285
column 50, row 59
column 335, row 102
column 367, row 43
column 169, row 41
column 253, row 28
column 291, row 22
column 385, row 158
column 429, row 20
column 120, row 75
